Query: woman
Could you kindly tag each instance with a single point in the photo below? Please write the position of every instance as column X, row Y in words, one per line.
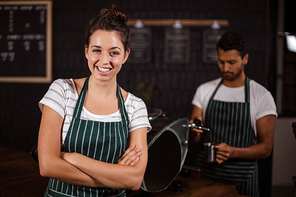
column 98, row 120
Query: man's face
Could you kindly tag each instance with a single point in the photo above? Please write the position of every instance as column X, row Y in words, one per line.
column 231, row 64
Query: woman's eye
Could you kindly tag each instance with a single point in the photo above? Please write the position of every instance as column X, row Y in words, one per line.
column 96, row 50
column 114, row 53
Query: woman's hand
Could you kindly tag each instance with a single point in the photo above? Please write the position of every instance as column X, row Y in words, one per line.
column 131, row 156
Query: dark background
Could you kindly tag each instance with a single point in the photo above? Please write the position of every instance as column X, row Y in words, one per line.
column 172, row 85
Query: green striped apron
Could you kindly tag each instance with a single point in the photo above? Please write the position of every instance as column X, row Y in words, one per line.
column 104, row 141
column 230, row 122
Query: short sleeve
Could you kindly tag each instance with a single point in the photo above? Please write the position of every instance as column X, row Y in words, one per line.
column 139, row 118
column 197, row 98
column 203, row 93
column 266, row 106
column 55, row 97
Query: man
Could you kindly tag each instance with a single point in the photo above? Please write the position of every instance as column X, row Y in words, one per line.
column 241, row 115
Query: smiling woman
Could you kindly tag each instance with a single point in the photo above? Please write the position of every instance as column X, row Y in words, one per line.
column 102, row 149
column 105, row 54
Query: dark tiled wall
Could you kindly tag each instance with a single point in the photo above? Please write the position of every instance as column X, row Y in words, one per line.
column 173, row 84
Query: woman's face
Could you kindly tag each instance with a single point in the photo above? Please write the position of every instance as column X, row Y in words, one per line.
column 105, row 54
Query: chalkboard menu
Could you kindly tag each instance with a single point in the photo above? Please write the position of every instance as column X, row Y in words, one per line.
column 140, row 45
column 210, row 39
column 177, row 45
column 25, row 41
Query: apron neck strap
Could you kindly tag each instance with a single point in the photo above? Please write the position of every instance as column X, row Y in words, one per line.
column 214, row 93
column 80, row 102
column 123, row 112
column 247, row 89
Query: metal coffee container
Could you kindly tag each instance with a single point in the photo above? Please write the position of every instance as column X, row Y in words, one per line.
column 210, row 152
column 209, row 147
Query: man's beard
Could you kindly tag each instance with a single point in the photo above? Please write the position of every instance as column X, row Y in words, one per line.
column 230, row 76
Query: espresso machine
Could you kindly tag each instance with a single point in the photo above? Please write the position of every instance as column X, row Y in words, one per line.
column 208, row 145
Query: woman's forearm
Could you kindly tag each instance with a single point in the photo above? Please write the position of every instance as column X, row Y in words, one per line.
column 49, row 153
column 112, row 175
column 64, row 171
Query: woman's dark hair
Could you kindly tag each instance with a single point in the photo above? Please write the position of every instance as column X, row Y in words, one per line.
column 113, row 19
column 233, row 40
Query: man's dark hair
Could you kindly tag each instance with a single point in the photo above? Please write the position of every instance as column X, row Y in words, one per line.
column 233, row 40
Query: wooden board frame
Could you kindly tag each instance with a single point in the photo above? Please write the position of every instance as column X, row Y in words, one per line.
column 48, row 54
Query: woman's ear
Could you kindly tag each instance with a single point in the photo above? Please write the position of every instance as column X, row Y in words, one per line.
column 126, row 56
column 86, row 51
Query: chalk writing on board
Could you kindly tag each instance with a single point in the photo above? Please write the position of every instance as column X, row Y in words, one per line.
column 210, row 39
column 177, row 45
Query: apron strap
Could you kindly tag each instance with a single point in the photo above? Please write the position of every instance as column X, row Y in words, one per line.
column 124, row 116
column 247, row 90
column 80, row 101
column 212, row 97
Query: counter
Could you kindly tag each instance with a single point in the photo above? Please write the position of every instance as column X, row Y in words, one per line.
column 193, row 186
column 19, row 176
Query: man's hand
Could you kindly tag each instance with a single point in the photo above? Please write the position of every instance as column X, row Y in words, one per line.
column 131, row 156
column 224, row 152
column 194, row 130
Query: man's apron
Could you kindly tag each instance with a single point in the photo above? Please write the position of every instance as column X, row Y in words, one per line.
column 230, row 122
column 104, row 141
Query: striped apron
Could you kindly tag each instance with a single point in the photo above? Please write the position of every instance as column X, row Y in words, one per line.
column 230, row 122
column 104, row 141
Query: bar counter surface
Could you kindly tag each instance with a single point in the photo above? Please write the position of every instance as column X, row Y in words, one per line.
column 19, row 177
column 193, row 186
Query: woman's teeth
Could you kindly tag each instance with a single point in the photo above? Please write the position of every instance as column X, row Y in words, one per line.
column 104, row 69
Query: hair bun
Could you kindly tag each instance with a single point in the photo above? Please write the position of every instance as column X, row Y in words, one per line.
column 113, row 19
column 115, row 13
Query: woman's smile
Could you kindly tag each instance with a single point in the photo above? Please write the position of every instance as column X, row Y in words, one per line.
column 103, row 71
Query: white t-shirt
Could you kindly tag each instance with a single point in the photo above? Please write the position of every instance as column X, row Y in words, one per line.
column 62, row 96
column 261, row 101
